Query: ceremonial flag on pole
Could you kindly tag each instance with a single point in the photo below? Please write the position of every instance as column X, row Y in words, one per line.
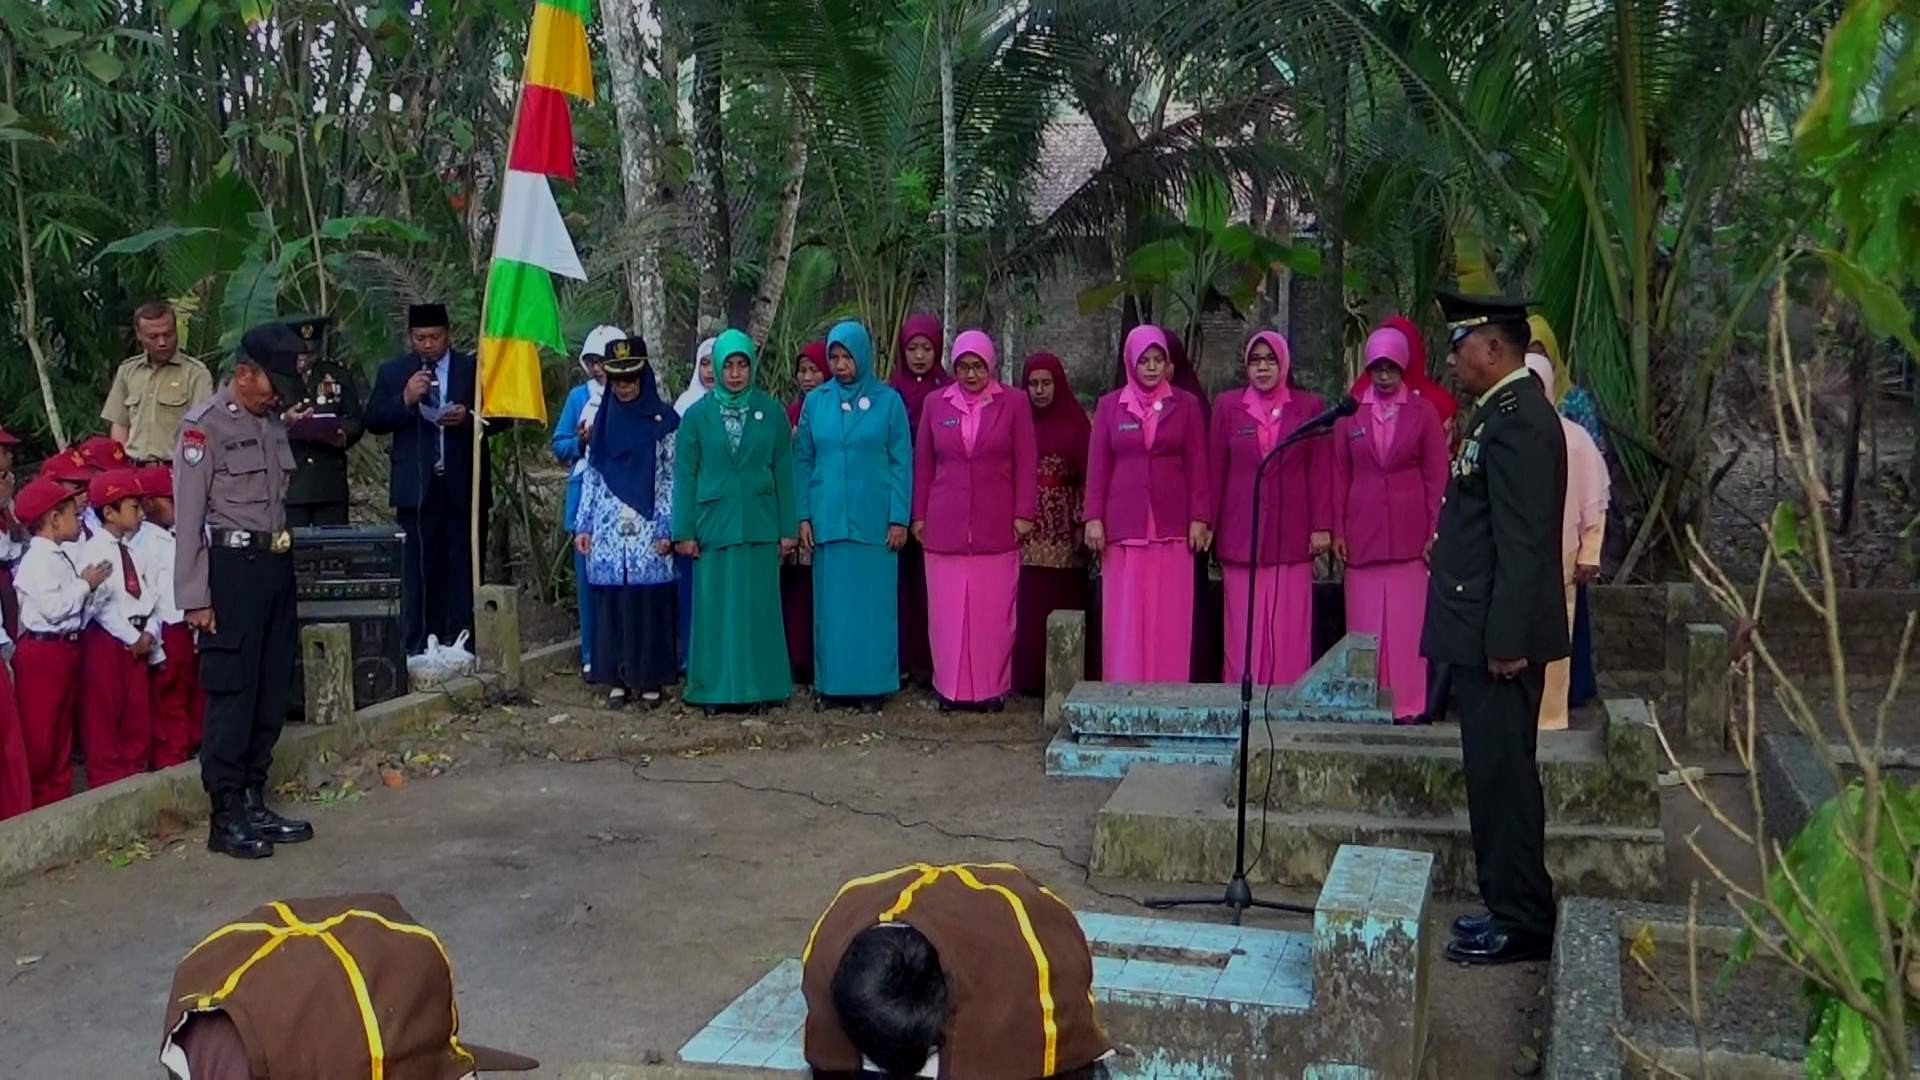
column 530, row 242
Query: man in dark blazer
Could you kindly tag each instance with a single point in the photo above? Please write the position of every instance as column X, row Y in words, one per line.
column 424, row 399
column 1496, row 616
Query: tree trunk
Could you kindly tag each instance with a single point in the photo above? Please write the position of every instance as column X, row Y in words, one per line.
column 1334, row 280
column 950, row 184
column 710, row 184
column 773, row 283
column 626, row 48
column 29, row 300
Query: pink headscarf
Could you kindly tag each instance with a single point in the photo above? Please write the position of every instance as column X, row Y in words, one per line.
column 976, row 343
column 915, row 388
column 1145, row 404
column 1389, row 344
column 1265, row 407
column 1589, row 487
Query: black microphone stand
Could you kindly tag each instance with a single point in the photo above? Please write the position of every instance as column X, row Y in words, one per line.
column 1239, row 895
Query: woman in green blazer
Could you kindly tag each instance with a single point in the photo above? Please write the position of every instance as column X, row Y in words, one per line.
column 733, row 514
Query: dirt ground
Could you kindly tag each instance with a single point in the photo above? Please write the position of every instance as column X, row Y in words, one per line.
column 607, row 882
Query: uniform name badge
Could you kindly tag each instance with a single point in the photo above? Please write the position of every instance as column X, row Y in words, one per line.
column 629, row 522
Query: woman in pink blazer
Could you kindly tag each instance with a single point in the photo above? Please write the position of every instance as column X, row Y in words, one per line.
column 1149, row 510
column 973, row 492
column 1390, row 470
column 1295, row 514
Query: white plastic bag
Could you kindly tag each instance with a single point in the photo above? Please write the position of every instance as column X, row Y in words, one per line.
column 439, row 663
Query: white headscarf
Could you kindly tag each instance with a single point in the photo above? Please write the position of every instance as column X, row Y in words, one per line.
column 695, row 388
column 596, row 344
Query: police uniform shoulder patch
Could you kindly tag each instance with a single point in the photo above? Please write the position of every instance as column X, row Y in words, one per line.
column 193, row 446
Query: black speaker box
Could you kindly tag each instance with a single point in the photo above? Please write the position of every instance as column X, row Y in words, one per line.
column 351, row 574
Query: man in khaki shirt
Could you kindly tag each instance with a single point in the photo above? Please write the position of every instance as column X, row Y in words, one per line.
column 153, row 390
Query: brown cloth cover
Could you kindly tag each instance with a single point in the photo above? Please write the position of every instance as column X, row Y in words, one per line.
column 1019, row 972
column 315, row 985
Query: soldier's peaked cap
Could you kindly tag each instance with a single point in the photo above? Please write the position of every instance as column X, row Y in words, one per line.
column 1465, row 313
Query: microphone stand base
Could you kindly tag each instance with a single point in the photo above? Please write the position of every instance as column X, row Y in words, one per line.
column 1237, row 899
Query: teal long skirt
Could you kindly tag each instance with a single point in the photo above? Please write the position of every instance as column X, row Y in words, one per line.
column 856, row 619
column 738, row 654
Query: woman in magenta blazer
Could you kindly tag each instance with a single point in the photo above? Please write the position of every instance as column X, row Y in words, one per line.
column 1149, row 510
column 973, row 492
column 1295, row 515
column 1390, row 470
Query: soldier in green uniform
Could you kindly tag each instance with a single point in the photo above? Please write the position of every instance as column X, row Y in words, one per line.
column 1496, row 616
column 317, row 494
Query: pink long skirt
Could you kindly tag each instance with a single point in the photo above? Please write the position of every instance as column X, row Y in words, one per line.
column 1282, row 624
column 970, row 624
column 1390, row 600
column 1146, row 618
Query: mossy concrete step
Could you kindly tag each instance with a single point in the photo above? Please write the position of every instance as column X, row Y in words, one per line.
column 1173, row 823
column 1341, row 687
column 1598, row 775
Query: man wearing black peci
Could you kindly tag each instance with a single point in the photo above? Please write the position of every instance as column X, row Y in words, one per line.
column 1495, row 615
column 424, row 399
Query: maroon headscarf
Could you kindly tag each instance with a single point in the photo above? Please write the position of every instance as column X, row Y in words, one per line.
column 914, row 389
column 1062, row 427
column 815, row 353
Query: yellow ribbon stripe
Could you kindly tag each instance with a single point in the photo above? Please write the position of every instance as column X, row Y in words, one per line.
column 323, row 930
column 870, row 879
column 1043, row 969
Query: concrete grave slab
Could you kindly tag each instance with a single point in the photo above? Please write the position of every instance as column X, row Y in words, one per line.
column 1201, row 1000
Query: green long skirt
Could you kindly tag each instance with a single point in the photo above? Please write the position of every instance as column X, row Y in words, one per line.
column 739, row 650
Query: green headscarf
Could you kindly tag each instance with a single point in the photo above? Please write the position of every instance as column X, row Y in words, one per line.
column 730, row 343
column 852, row 336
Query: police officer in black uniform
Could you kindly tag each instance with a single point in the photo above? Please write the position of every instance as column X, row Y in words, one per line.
column 318, row 493
column 233, row 576
column 1496, row 616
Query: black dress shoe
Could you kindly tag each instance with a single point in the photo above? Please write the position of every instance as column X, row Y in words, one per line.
column 1497, row 947
column 271, row 826
column 1473, row 925
column 228, row 833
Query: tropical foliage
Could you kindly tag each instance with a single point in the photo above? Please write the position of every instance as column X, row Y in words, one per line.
column 1635, row 165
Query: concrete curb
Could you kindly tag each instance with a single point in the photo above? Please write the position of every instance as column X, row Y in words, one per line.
column 73, row 828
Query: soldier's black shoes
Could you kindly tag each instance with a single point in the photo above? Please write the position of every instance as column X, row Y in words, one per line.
column 228, row 832
column 1497, row 947
column 270, row 826
column 1473, row 925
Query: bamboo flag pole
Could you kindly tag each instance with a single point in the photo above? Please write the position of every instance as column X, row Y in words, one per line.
column 480, row 361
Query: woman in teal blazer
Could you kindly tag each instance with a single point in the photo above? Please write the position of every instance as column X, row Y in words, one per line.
column 853, row 471
column 733, row 515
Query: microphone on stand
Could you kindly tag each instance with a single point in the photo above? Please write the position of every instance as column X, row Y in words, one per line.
column 1239, row 895
column 1346, row 406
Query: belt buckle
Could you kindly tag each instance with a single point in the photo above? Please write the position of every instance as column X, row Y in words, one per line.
column 282, row 542
column 239, row 538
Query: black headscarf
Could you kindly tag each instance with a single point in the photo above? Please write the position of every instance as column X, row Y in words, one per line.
column 626, row 439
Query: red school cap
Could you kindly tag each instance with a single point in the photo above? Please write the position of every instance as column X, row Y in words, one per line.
column 156, row 481
column 102, row 452
column 110, row 487
column 38, row 499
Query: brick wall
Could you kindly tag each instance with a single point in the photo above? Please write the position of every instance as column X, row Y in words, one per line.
column 1634, row 628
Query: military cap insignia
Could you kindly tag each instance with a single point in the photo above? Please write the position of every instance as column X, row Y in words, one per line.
column 306, row 330
column 621, row 350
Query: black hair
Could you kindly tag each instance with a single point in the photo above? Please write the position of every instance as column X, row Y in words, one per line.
column 1517, row 335
column 892, row 997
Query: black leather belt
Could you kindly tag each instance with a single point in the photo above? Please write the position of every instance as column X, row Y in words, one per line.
column 277, row 541
column 42, row 635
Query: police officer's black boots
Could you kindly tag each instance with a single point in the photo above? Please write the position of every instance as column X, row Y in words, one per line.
column 229, row 834
column 271, row 826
